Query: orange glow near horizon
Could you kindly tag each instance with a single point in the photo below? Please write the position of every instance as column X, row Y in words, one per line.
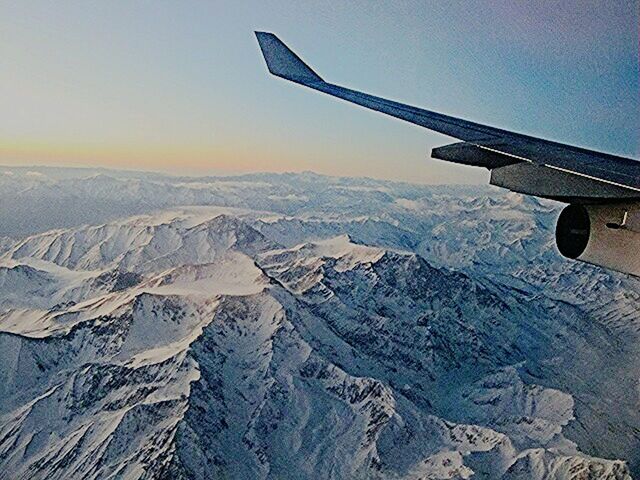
column 169, row 158
column 234, row 158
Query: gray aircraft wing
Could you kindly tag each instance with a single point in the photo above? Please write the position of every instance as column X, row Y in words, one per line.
column 483, row 145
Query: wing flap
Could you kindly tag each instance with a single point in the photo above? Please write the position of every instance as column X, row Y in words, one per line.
column 474, row 155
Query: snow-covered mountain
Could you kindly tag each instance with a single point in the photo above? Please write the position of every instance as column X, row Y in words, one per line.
column 301, row 326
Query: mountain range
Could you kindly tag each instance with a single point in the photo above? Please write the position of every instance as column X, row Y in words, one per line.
column 287, row 326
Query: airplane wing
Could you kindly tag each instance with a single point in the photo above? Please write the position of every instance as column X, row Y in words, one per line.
column 492, row 147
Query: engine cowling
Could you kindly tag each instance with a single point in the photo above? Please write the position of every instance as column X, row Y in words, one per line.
column 604, row 235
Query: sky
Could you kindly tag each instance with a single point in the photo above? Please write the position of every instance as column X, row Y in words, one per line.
column 181, row 86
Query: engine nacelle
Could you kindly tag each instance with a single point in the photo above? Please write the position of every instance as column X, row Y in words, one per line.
column 604, row 235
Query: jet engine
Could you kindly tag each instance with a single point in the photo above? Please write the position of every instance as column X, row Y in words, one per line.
column 606, row 235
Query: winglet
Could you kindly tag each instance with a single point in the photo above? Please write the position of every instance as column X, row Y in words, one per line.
column 282, row 62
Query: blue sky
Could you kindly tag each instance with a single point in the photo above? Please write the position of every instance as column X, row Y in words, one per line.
column 181, row 86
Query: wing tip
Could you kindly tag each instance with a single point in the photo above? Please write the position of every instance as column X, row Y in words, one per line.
column 282, row 61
